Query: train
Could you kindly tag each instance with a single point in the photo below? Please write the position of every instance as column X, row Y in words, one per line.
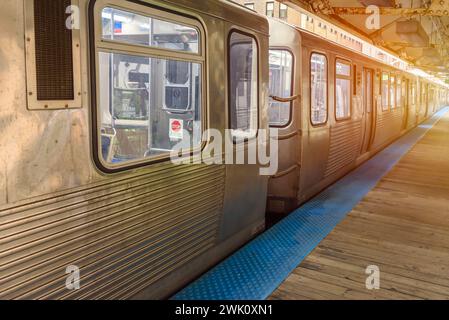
column 96, row 94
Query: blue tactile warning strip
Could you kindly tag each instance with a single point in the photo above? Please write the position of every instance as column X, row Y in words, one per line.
column 256, row 270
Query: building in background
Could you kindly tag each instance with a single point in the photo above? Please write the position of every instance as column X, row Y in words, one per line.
column 273, row 9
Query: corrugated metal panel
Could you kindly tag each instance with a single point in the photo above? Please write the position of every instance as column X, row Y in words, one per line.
column 123, row 235
column 388, row 126
column 411, row 119
column 344, row 146
column 390, row 120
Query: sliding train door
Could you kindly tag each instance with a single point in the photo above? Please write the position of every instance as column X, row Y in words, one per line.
column 247, row 85
column 284, row 116
column 368, row 108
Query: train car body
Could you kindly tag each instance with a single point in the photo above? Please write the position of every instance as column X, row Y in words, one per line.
column 88, row 183
column 350, row 107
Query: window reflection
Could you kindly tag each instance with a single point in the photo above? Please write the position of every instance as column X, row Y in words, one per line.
column 343, row 90
column 385, row 91
column 128, row 27
column 318, row 88
column 393, row 92
column 142, row 114
column 243, row 85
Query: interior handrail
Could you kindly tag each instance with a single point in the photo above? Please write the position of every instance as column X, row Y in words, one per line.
column 286, row 99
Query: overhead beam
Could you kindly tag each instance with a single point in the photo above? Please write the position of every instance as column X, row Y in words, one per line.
column 404, row 12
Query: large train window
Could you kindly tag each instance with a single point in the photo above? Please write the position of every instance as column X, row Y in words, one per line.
column 149, row 82
column 318, row 88
column 385, row 83
column 243, row 85
column 281, row 81
column 342, row 89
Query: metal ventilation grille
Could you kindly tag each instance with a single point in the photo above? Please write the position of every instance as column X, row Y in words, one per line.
column 54, row 56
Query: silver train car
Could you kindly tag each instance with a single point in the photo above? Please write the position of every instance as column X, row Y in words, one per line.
column 88, row 117
column 95, row 95
column 346, row 107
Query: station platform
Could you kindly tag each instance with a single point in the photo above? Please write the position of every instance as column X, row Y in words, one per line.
column 391, row 212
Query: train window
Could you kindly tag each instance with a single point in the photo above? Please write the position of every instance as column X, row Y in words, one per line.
column 318, row 88
column 399, row 93
column 385, row 83
column 369, row 91
column 410, row 93
column 270, row 9
column 393, row 92
column 342, row 90
column 404, row 92
column 281, row 81
column 148, row 100
column 243, row 85
column 249, row 5
column 177, row 72
column 413, row 94
column 132, row 28
column 283, row 11
column 422, row 95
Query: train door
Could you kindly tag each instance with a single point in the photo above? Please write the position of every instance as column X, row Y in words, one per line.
column 368, row 108
column 284, row 116
column 247, row 91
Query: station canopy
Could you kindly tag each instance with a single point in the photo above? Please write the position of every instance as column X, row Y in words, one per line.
column 417, row 31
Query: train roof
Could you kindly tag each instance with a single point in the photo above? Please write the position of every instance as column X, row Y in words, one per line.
column 227, row 11
column 318, row 37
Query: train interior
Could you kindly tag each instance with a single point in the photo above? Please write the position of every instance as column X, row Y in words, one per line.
column 141, row 94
